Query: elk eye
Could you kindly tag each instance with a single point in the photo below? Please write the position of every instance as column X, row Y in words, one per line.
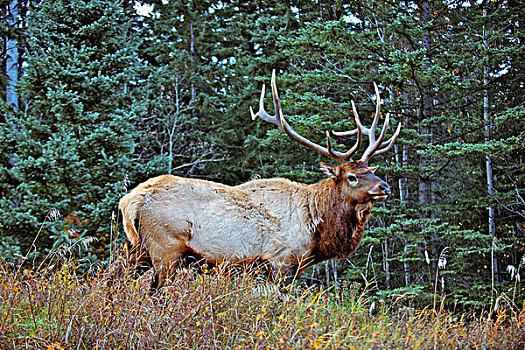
column 352, row 178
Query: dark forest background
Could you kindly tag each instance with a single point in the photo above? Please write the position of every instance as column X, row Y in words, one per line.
column 97, row 98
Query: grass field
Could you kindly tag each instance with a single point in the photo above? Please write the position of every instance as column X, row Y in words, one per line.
column 57, row 308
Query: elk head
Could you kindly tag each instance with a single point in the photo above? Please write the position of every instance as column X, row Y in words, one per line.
column 354, row 179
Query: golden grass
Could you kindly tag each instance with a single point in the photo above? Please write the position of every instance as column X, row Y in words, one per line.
column 225, row 309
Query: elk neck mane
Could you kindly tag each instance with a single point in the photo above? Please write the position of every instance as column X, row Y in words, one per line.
column 339, row 224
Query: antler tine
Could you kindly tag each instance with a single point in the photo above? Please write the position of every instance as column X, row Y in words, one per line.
column 375, row 147
column 328, row 142
column 387, row 145
column 279, row 120
column 376, row 116
column 372, row 143
column 375, row 144
column 274, row 119
column 364, row 130
column 360, row 130
column 262, row 112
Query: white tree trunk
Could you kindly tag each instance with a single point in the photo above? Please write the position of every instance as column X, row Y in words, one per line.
column 402, row 158
column 12, row 58
column 490, row 178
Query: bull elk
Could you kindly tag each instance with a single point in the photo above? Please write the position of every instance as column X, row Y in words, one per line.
column 290, row 225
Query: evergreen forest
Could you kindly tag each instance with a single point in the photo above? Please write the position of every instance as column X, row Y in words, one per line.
column 98, row 96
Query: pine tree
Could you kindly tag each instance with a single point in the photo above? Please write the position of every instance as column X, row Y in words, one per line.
column 217, row 57
column 174, row 127
column 76, row 137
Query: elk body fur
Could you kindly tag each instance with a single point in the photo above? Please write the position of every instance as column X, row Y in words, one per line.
column 288, row 224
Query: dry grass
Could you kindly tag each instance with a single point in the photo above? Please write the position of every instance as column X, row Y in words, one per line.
column 226, row 309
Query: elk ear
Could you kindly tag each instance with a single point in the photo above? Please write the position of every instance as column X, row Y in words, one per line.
column 332, row 171
column 373, row 169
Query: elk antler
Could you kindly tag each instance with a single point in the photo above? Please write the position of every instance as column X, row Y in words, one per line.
column 375, row 147
column 278, row 119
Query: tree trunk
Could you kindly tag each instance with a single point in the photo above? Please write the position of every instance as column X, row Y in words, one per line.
column 402, row 158
column 193, row 55
column 488, row 165
column 386, row 263
column 426, row 110
column 173, row 127
column 12, row 58
column 426, row 185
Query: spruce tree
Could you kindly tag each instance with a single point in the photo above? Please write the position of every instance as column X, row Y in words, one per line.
column 174, row 127
column 76, row 138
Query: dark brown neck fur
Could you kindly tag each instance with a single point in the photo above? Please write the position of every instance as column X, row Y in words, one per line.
column 339, row 224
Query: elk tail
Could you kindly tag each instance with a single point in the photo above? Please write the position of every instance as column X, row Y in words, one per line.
column 130, row 205
column 137, row 255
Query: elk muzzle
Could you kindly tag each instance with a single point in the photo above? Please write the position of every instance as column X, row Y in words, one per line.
column 381, row 191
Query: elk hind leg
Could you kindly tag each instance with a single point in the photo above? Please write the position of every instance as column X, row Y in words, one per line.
column 138, row 259
column 164, row 266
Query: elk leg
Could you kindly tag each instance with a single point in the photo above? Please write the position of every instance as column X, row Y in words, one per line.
column 284, row 275
column 289, row 276
column 160, row 276
column 154, row 284
column 164, row 266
